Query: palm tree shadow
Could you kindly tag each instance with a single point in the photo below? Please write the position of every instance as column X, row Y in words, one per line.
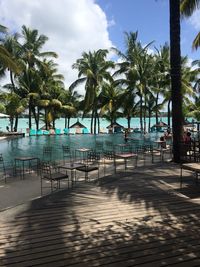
column 127, row 220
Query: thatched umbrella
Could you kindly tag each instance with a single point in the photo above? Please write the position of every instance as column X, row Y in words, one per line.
column 160, row 124
column 77, row 125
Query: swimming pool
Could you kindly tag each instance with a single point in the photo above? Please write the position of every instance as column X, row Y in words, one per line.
column 33, row 145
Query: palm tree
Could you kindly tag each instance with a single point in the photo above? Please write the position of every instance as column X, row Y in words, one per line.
column 6, row 60
column 111, row 98
column 187, row 8
column 136, row 67
column 31, row 55
column 93, row 70
column 175, row 63
column 70, row 104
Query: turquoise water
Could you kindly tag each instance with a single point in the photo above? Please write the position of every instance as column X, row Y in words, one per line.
column 33, row 146
column 23, row 123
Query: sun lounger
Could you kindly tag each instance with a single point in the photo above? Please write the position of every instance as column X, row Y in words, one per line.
column 66, row 130
column 32, row 132
column 85, row 131
column 46, row 132
column 39, row 132
column 57, row 131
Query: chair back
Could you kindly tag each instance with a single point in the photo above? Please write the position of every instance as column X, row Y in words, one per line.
column 67, row 153
column 46, row 170
column 2, row 167
column 47, row 153
column 93, row 156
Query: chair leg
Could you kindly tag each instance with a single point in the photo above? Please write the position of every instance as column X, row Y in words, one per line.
column 41, row 186
column 181, row 177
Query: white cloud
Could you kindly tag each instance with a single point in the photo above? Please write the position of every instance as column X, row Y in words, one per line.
column 72, row 27
column 195, row 19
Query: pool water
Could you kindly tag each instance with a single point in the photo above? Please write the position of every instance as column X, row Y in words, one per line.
column 33, row 145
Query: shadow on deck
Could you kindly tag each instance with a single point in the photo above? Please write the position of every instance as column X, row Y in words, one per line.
column 135, row 218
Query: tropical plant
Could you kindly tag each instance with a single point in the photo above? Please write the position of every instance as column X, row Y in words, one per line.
column 93, row 69
column 187, row 8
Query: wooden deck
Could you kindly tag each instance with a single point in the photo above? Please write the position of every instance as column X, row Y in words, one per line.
column 137, row 218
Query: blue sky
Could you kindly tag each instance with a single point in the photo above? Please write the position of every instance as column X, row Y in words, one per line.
column 151, row 19
column 77, row 26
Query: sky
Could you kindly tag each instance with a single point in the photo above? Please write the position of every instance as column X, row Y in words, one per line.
column 74, row 26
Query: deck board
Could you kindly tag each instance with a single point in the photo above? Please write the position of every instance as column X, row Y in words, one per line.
column 137, row 218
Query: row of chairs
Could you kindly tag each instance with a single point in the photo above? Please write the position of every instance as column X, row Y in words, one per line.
column 50, row 171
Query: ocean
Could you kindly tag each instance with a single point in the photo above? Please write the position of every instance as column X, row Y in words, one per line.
column 60, row 123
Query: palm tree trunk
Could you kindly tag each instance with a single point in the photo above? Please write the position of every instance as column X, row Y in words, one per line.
column 157, row 98
column 141, row 118
column 16, row 123
column 29, row 117
column 168, row 113
column 91, row 123
column 129, row 122
column 149, row 120
column 175, row 62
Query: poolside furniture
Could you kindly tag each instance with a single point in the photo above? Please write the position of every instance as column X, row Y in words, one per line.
column 32, row 132
column 2, row 168
column 125, row 152
column 72, row 166
column 109, row 158
column 85, row 131
column 99, row 146
column 82, row 153
column 57, row 131
column 194, row 167
column 47, row 153
column 67, row 153
column 109, row 145
column 26, row 164
column 52, row 175
column 66, row 130
column 90, row 164
column 39, row 132
column 46, row 132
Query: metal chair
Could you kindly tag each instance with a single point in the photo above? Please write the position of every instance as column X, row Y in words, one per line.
column 47, row 153
column 2, row 167
column 67, row 153
column 92, row 163
column 109, row 157
column 53, row 176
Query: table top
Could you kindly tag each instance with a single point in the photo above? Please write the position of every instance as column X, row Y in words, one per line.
column 71, row 165
column 125, row 155
column 83, row 149
column 26, row 158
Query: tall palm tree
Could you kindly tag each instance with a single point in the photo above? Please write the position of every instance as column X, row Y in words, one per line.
column 187, row 8
column 32, row 55
column 175, row 63
column 70, row 104
column 93, row 70
column 6, row 60
column 111, row 98
column 135, row 64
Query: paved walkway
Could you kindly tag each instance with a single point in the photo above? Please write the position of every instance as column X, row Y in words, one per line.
column 137, row 218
